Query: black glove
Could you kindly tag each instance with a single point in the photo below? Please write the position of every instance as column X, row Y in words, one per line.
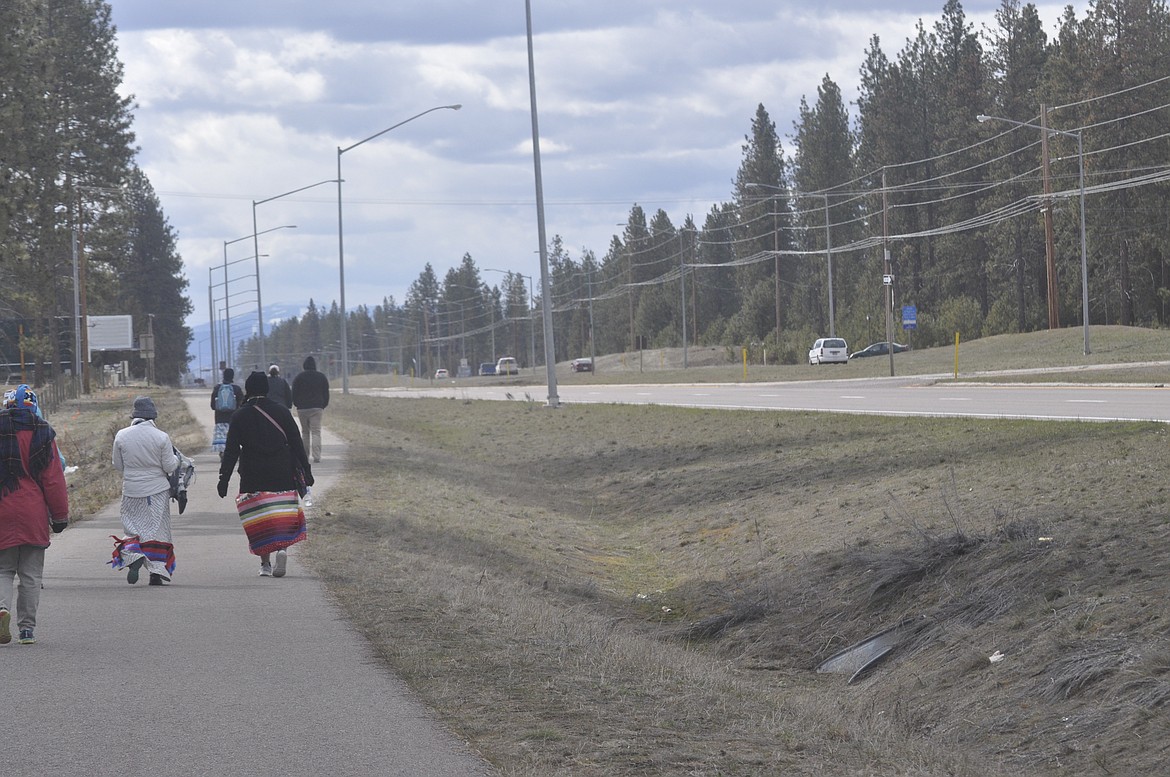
column 59, row 526
column 222, row 488
column 309, row 479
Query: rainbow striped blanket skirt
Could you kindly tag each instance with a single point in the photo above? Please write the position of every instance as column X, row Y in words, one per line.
column 273, row 520
column 130, row 547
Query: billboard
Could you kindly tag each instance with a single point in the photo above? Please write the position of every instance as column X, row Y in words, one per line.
column 110, row 333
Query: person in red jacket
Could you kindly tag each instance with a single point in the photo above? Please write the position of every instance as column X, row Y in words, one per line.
column 33, row 499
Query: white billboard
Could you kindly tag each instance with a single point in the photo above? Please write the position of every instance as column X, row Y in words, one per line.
column 110, row 333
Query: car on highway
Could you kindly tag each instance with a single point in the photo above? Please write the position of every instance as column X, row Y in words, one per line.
column 829, row 350
column 581, row 365
column 441, row 373
column 487, row 368
column 507, row 366
column 878, row 349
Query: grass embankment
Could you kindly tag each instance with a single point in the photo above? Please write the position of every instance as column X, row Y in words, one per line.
column 612, row 590
column 1117, row 354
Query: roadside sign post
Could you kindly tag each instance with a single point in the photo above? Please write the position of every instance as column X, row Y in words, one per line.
column 909, row 321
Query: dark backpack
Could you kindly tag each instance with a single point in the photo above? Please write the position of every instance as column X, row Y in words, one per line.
column 225, row 397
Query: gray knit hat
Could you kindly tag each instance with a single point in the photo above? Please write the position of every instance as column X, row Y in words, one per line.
column 144, row 408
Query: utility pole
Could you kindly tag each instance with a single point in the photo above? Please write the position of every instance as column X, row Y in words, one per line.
column 776, row 249
column 682, row 298
column 630, row 291
column 887, row 279
column 1049, row 240
column 81, row 282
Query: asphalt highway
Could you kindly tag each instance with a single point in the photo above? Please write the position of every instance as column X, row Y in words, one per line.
column 221, row 673
column 910, row 396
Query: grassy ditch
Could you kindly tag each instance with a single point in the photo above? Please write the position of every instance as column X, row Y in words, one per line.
column 617, row 590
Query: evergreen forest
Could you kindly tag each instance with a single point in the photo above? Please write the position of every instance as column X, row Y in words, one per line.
column 977, row 224
column 82, row 233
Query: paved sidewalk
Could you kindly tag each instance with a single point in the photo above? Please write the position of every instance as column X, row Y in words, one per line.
column 221, row 673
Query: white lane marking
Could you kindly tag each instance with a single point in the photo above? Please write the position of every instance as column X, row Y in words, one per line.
column 852, row 396
column 954, row 399
column 1087, row 401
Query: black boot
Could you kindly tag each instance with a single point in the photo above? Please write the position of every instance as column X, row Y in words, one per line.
column 156, row 579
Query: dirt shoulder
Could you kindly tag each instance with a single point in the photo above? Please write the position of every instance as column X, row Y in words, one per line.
column 616, row 590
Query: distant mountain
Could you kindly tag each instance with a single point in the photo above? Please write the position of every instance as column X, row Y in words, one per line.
column 243, row 327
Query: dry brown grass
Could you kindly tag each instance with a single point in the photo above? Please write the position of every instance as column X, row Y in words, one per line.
column 611, row 590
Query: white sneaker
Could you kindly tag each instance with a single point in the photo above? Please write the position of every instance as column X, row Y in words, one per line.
column 281, row 563
column 265, row 570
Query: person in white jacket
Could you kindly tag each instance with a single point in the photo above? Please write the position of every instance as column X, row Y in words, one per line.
column 145, row 456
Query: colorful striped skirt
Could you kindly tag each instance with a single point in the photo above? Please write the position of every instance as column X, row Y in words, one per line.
column 159, row 555
column 273, row 520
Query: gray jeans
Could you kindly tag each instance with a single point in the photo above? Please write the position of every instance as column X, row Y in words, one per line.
column 27, row 561
column 310, row 418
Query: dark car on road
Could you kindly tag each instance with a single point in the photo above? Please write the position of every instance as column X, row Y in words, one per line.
column 878, row 349
column 487, row 368
column 581, row 365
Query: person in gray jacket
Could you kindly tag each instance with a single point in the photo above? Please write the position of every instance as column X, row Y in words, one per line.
column 278, row 388
column 145, row 456
column 310, row 394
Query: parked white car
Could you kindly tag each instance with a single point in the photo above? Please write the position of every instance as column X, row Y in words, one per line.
column 829, row 350
column 507, row 366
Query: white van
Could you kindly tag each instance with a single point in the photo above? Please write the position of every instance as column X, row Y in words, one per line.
column 507, row 366
column 829, row 350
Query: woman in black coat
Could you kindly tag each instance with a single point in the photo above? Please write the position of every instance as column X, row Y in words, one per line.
column 264, row 439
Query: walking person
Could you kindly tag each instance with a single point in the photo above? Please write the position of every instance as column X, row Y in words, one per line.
column 145, row 456
column 263, row 438
column 278, row 388
column 33, row 500
column 310, row 395
column 226, row 399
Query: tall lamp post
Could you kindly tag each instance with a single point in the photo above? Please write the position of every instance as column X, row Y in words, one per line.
column 227, row 346
column 211, row 320
column 1084, row 243
column 341, row 234
column 259, row 314
column 256, row 251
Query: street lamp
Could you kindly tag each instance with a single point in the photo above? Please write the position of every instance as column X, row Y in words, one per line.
column 256, row 251
column 341, row 238
column 259, row 314
column 226, row 299
column 1084, row 246
column 211, row 319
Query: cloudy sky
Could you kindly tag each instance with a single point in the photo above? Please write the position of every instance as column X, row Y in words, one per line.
column 640, row 101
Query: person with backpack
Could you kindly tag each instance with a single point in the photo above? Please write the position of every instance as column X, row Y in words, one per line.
column 310, row 394
column 226, row 398
column 278, row 388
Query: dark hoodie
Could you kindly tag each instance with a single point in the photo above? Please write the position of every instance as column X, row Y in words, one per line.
column 310, row 388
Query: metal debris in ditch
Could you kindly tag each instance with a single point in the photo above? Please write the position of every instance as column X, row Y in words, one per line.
column 860, row 658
